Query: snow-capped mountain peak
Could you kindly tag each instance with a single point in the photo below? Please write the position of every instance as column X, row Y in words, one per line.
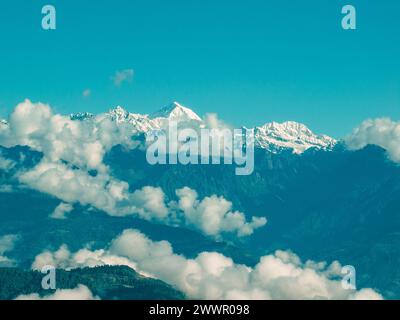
column 140, row 122
column 119, row 114
column 176, row 111
column 290, row 135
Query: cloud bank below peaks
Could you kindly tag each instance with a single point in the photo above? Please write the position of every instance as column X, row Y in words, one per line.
column 212, row 216
column 382, row 132
column 212, row 275
column 81, row 292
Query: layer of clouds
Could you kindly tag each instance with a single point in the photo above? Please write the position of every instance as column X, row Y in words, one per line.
column 213, row 216
column 7, row 244
column 81, row 292
column 122, row 76
column 382, row 132
column 212, row 275
column 61, row 210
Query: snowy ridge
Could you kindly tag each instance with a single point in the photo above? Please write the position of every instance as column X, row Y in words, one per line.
column 273, row 136
column 141, row 123
column 290, row 135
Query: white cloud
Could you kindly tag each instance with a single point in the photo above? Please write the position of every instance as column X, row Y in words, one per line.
column 7, row 244
column 150, row 201
column 382, row 132
column 365, row 294
column 61, row 210
column 86, row 93
column 100, row 191
column 81, row 292
column 6, row 164
column 72, row 186
column 213, row 215
column 212, row 275
column 122, row 76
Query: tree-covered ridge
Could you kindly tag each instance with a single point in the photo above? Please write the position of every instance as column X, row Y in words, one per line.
column 107, row 282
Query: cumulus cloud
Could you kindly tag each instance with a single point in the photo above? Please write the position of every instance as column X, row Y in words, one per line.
column 150, row 201
column 81, row 292
column 7, row 244
column 212, row 275
column 122, row 76
column 100, row 191
column 73, row 185
column 214, row 215
column 382, row 132
column 61, row 210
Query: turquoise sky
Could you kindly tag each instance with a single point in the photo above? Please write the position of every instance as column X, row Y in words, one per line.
column 250, row 61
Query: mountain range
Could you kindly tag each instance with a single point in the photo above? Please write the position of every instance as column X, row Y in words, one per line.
column 272, row 136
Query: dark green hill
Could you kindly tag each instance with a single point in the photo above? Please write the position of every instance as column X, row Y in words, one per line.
column 107, row 282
